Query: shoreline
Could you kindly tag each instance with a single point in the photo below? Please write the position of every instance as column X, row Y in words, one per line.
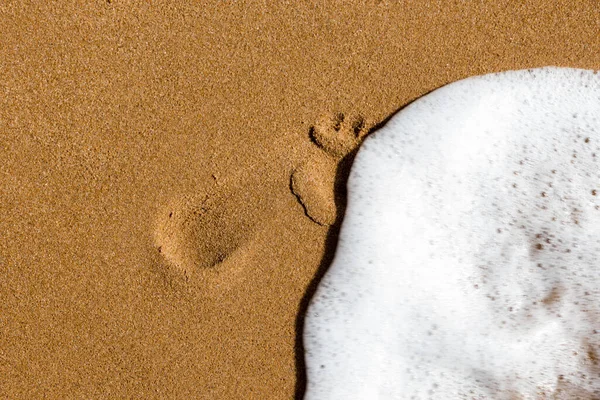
column 115, row 114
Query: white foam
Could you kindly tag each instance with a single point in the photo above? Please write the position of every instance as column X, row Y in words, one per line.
column 468, row 259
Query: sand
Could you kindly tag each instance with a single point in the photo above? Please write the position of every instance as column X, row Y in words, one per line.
column 152, row 246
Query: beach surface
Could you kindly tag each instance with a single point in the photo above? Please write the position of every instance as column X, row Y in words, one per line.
column 169, row 195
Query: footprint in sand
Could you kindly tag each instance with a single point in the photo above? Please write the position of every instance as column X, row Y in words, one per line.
column 198, row 234
column 314, row 182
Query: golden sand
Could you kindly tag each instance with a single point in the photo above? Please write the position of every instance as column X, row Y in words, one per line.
column 152, row 243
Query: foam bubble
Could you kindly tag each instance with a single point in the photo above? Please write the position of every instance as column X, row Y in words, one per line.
column 467, row 264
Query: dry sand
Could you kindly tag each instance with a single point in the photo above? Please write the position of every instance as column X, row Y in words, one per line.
column 151, row 243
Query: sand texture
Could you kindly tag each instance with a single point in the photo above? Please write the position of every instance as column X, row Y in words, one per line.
column 172, row 173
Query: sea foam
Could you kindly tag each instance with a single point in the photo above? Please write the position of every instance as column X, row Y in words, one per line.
column 467, row 262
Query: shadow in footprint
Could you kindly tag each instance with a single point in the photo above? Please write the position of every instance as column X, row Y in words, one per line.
column 341, row 178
